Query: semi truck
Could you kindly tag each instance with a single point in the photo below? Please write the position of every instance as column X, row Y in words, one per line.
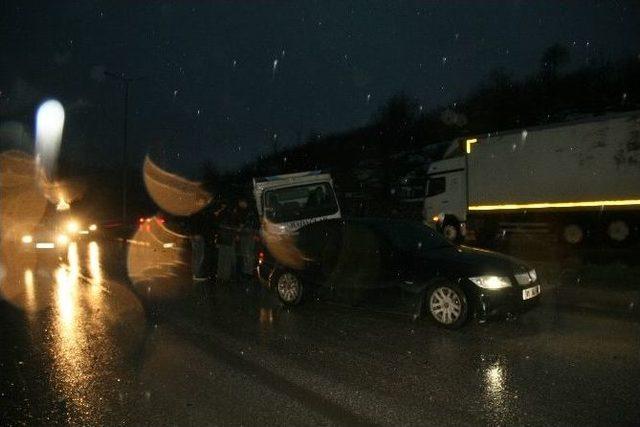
column 577, row 180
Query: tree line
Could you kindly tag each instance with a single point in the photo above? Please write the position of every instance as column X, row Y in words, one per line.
column 372, row 161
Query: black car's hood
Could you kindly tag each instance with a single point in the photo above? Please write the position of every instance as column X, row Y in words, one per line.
column 467, row 261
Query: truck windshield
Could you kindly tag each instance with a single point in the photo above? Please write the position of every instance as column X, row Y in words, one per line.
column 435, row 186
column 300, row 202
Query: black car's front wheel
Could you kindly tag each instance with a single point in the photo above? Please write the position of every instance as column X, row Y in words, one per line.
column 446, row 304
column 289, row 288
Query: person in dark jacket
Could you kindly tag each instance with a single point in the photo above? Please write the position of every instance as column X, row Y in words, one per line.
column 204, row 229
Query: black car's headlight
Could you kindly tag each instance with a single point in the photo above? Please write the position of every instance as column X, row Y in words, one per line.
column 491, row 282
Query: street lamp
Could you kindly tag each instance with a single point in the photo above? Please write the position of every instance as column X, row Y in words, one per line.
column 125, row 83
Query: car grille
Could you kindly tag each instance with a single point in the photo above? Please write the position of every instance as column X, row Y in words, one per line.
column 526, row 278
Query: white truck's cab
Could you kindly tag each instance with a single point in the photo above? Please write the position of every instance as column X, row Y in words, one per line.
column 445, row 203
column 285, row 203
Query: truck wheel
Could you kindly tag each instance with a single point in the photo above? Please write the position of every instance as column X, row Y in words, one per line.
column 618, row 231
column 573, row 234
column 451, row 231
column 289, row 288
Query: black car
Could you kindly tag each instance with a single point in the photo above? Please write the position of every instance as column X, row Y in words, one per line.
column 453, row 282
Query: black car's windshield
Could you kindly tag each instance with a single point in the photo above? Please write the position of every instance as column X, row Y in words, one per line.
column 410, row 236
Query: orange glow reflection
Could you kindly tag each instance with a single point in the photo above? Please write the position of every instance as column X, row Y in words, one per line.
column 30, row 297
column 283, row 245
column 72, row 362
column 95, row 269
column 158, row 262
column 74, row 260
column 172, row 192
column 266, row 317
column 66, row 284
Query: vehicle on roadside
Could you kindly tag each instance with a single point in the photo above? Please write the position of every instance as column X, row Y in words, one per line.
column 577, row 180
column 284, row 204
column 56, row 232
column 291, row 201
column 395, row 258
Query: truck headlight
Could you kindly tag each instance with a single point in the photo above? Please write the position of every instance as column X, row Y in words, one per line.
column 491, row 282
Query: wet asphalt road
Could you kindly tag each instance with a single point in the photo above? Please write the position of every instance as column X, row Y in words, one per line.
column 89, row 338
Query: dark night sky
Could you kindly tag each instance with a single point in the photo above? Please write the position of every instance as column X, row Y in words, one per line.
column 211, row 89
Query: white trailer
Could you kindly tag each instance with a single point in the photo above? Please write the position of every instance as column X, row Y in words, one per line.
column 578, row 179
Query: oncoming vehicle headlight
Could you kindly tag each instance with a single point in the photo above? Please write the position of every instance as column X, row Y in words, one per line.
column 62, row 239
column 93, row 227
column 73, row 227
column 491, row 282
column 27, row 238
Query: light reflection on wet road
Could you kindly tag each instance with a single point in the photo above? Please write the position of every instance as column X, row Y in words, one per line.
column 91, row 349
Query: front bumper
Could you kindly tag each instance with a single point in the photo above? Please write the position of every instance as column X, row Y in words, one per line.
column 505, row 301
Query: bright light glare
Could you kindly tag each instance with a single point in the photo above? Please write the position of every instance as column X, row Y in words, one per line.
column 27, row 239
column 50, row 118
column 491, row 282
column 62, row 205
column 94, row 263
column 49, row 125
column 62, row 239
column 30, row 297
column 93, row 227
column 73, row 226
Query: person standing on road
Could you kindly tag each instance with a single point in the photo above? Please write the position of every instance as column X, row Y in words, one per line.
column 196, row 237
column 204, row 227
column 211, row 239
column 225, row 245
column 239, row 222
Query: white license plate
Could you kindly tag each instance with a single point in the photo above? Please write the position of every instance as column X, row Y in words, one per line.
column 530, row 292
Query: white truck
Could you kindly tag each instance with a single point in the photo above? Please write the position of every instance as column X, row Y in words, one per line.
column 286, row 203
column 579, row 180
column 291, row 201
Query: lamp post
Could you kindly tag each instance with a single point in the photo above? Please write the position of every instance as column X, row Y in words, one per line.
column 125, row 83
